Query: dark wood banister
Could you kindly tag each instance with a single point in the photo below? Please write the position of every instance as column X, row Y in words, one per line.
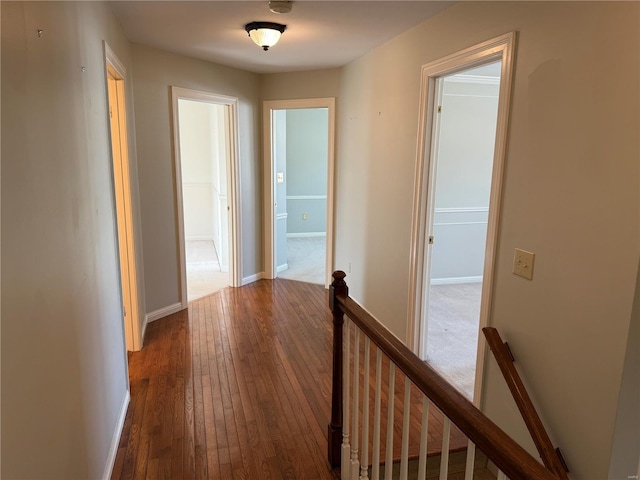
column 334, row 437
column 540, row 437
column 503, row 451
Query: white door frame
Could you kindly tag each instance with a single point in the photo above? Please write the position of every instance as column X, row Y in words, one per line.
column 131, row 312
column 269, row 179
column 499, row 48
column 233, row 183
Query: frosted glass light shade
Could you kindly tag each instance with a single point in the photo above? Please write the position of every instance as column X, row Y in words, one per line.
column 264, row 37
column 265, row 34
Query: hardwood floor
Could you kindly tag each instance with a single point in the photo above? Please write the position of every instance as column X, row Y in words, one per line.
column 238, row 387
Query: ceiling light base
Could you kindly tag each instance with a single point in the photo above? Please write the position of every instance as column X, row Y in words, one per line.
column 278, row 6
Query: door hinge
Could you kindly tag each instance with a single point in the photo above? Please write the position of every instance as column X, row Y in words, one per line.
column 110, row 113
column 430, row 239
column 439, row 108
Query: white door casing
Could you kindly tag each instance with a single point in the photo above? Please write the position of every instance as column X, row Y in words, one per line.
column 500, row 48
column 115, row 74
column 233, row 182
column 268, row 109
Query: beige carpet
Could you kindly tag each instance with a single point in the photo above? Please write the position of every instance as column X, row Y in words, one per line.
column 452, row 333
column 306, row 259
column 203, row 270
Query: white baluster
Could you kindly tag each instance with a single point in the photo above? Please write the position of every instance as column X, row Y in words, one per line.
column 355, row 464
column 388, row 463
column 501, row 476
column 364, row 466
column 422, row 463
column 375, row 463
column 444, row 456
column 471, row 458
column 346, row 447
column 404, row 457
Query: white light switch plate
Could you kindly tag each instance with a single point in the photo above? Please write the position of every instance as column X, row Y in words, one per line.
column 523, row 263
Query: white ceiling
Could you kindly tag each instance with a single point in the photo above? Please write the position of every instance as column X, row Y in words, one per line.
column 320, row 34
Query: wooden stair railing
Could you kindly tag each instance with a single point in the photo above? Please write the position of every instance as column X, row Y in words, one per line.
column 343, row 440
column 551, row 457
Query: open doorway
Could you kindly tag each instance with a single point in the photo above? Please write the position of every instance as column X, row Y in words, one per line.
column 467, row 114
column 299, row 186
column 205, row 177
column 462, row 141
column 203, row 158
column 301, row 155
column 122, row 193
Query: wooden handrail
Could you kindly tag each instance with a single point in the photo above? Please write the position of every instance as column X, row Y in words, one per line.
column 531, row 418
column 501, row 449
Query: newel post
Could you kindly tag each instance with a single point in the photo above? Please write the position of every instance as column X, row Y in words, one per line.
column 338, row 287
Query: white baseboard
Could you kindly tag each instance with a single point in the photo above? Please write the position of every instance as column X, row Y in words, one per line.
column 163, row 312
column 282, row 268
column 252, row 278
column 115, row 439
column 454, row 280
column 306, row 234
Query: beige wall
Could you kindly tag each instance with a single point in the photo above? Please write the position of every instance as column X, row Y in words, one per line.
column 64, row 374
column 625, row 452
column 296, row 85
column 570, row 195
column 155, row 72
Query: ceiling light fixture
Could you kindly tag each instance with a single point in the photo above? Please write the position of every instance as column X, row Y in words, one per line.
column 279, row 6
column 265, row 34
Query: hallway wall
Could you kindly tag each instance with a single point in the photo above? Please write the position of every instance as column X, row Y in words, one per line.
column 296, row 85
column 64, row 372
column 570, row 195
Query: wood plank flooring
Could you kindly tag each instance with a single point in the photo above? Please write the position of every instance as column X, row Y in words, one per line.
column 238, row 387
